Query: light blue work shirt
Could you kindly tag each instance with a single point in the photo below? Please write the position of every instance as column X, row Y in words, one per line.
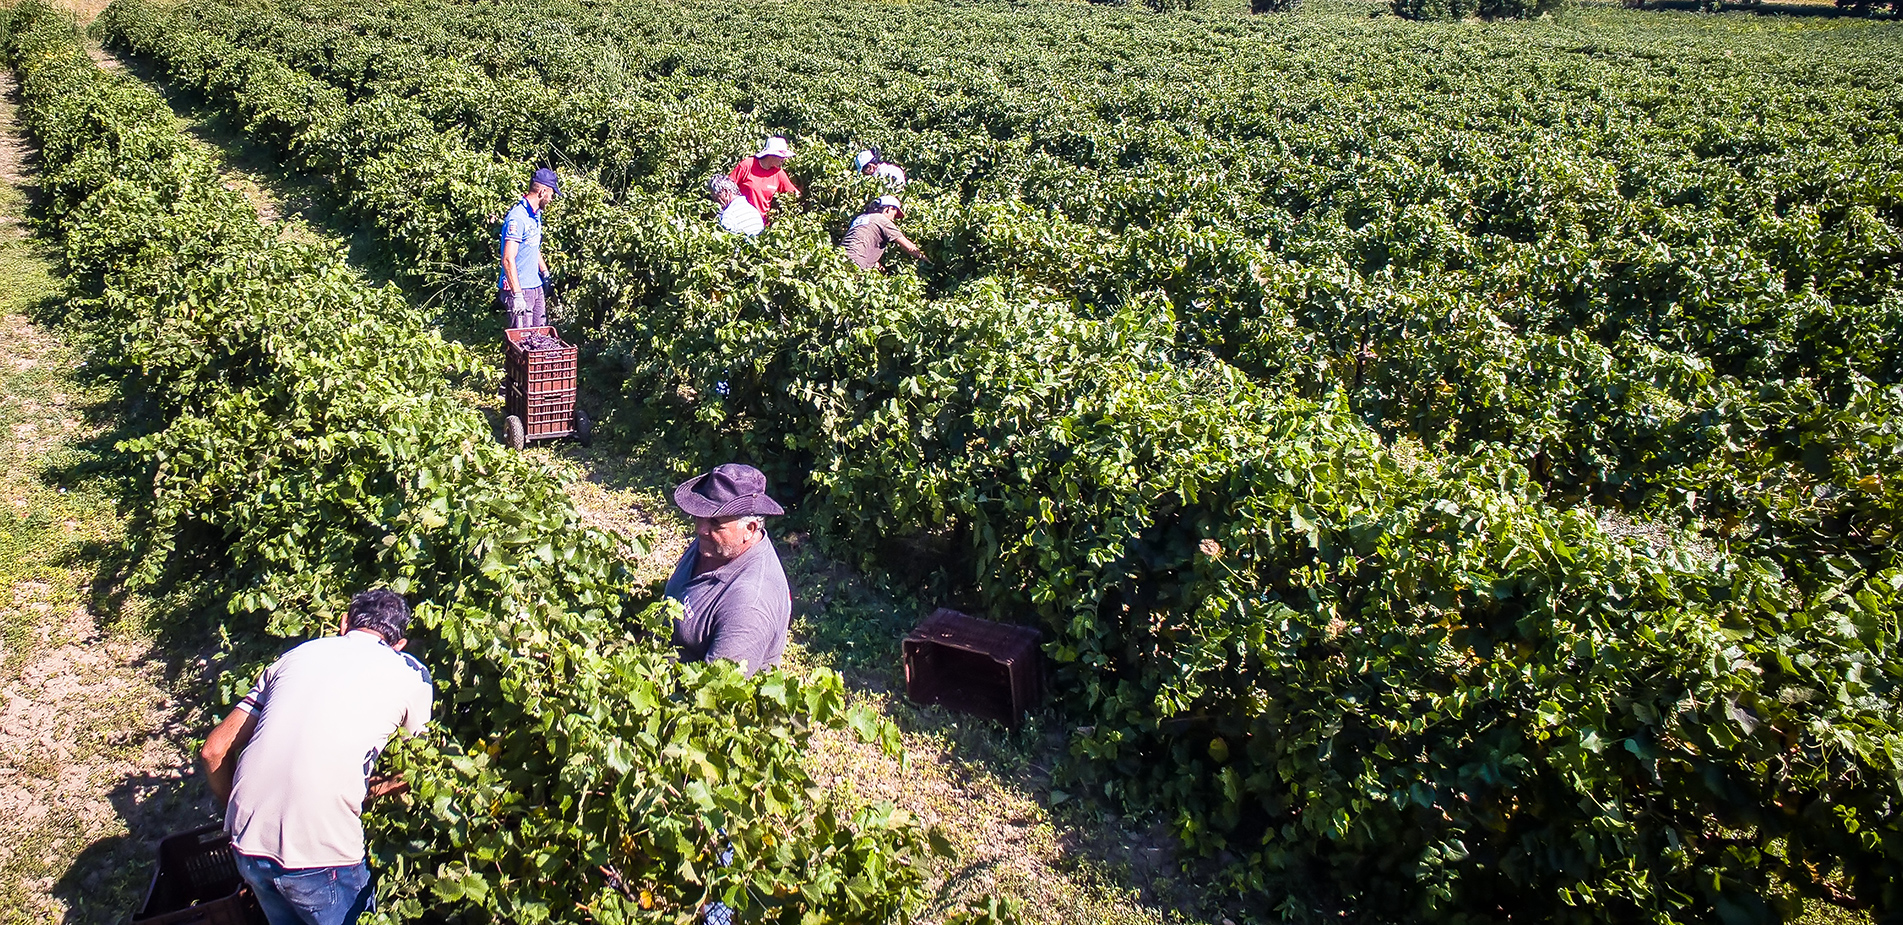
column 523, row 225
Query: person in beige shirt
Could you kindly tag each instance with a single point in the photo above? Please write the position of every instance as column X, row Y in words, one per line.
column 874, row 230
column 291, row 765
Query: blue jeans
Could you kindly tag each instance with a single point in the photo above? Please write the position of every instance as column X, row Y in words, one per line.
column 309, row 895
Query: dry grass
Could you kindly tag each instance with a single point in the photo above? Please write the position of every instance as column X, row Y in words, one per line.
column 990, row 791
column 627, row 502
column 86, row 10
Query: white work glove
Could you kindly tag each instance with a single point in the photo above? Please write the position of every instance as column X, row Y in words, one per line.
column 514, row 302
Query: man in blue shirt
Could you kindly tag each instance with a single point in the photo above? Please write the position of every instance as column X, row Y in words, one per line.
column 524, row 271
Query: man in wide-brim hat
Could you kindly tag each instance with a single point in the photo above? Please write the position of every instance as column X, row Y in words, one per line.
column 729, row 580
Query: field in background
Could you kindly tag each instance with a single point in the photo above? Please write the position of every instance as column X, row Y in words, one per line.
column 1423, row 443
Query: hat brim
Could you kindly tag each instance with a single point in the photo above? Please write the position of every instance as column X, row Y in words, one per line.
column 699, row 505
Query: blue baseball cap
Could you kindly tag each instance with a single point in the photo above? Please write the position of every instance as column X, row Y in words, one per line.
column 546, row 177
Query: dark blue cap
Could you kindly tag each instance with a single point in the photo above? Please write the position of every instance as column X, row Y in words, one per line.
column 546, row 177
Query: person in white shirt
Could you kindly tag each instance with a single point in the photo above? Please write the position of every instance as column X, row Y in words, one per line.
column 736, row 213
column 291, row 765
column 873, row 164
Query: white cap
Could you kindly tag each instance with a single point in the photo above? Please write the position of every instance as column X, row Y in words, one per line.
column 863, row 158
column 775, row 146
column 891, row 202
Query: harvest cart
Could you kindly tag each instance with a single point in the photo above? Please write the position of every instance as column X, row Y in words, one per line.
column 540, row 404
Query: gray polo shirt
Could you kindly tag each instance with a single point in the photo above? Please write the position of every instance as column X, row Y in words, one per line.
column 738, row 611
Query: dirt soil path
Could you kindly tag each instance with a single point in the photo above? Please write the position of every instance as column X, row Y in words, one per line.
column 93, row 756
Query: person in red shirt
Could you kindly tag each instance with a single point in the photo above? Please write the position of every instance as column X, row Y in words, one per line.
column 763, row 176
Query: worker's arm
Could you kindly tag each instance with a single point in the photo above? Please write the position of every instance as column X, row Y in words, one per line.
column 905, row 244
column 385, row 785
column 541, row 263
column 220, row 753
column 508, row 264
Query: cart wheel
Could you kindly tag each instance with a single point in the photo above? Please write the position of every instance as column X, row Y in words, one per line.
column 513, row 433
column 584, row 428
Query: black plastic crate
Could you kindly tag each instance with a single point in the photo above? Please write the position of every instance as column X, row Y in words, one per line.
column 197, row 883
column 987, row 669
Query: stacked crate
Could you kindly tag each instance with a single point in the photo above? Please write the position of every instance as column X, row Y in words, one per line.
column 541, row 384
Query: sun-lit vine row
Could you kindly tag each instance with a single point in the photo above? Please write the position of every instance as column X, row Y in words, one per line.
column 1658, row 301
column 1428, row 682
column 306, row 441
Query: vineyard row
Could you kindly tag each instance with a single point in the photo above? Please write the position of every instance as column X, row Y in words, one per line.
column 1343, row 666
column 305, row 442
column 1653, row 301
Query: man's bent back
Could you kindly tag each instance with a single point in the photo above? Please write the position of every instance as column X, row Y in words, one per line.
column 306, row 739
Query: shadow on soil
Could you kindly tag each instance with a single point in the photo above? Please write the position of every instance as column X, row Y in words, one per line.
column 854, row 624
column 107, row 882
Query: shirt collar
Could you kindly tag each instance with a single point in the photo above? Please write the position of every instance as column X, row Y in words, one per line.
column 371, row 635
column 533, row 213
